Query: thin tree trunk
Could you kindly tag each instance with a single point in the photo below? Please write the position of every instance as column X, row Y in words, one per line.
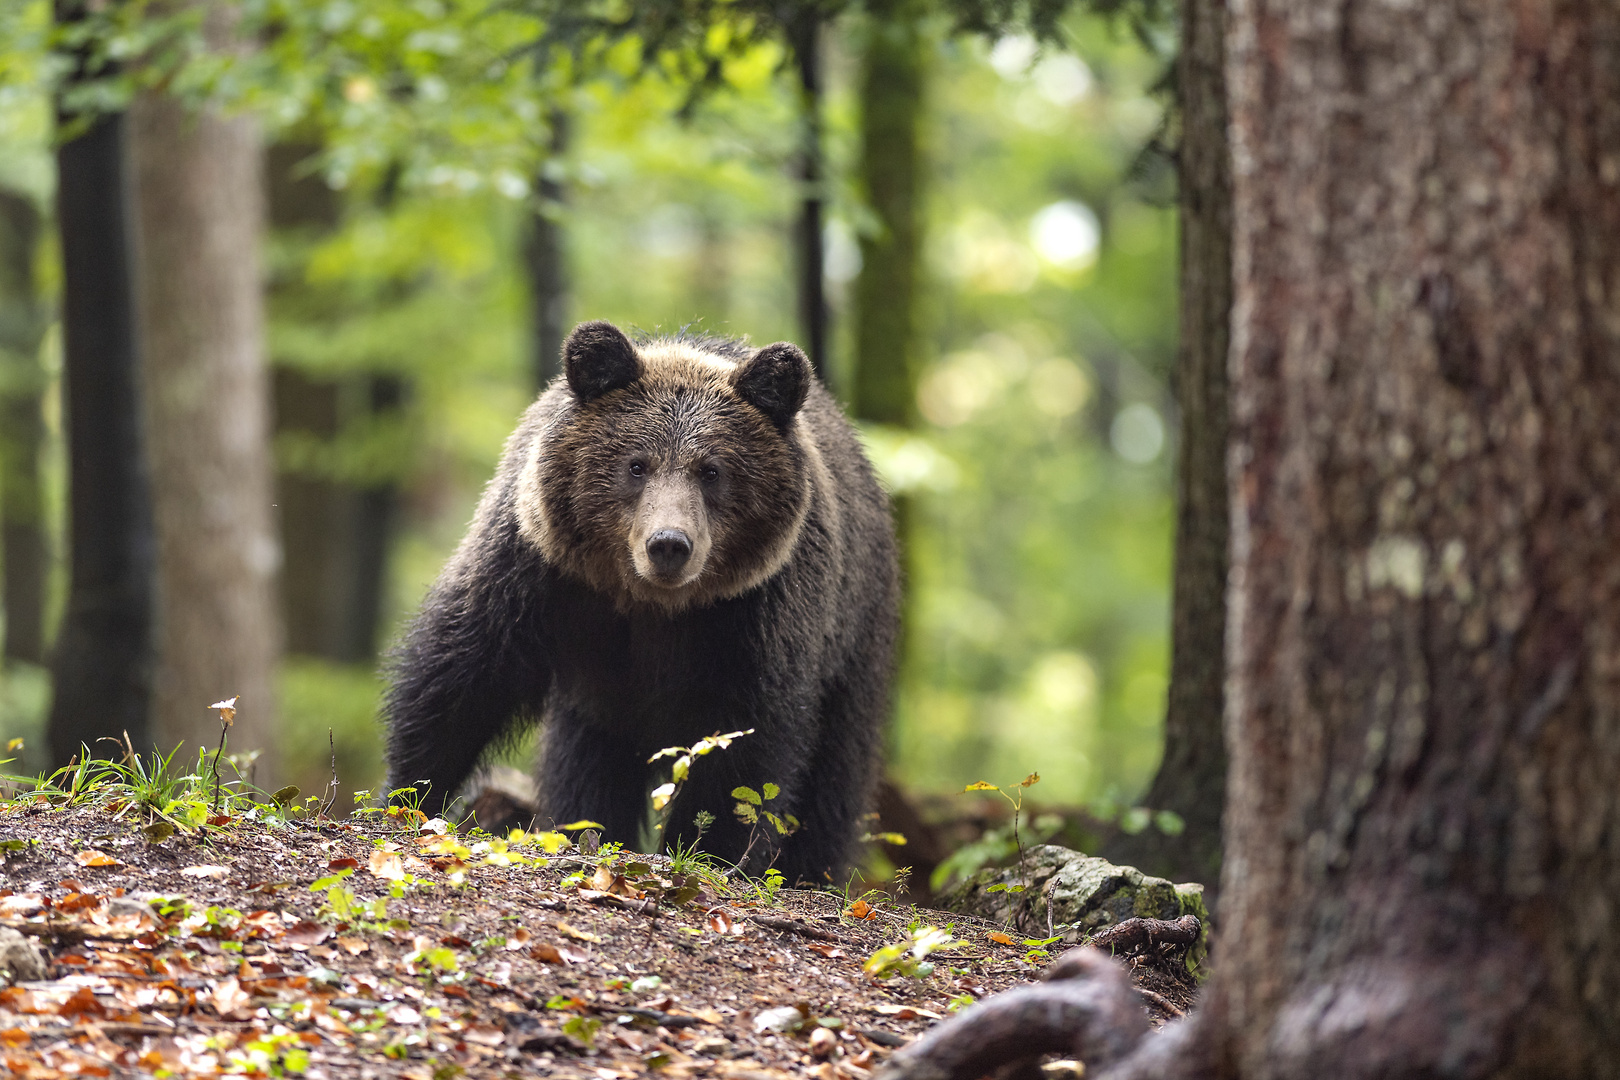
column 885, row 388
column 804, row 35
column 22, row 431
column 546, row 257
column 200, row 207
column 1191, row 780
column 101, row 666
column 1425, row 602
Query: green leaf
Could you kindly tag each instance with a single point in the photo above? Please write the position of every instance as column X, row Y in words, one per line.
column 747, row 795
column 330, row 880
column 574, row 826
column 746, row 813
column 771, row 791
column 283, row 796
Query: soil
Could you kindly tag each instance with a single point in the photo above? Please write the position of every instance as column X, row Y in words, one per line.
column 486, row 964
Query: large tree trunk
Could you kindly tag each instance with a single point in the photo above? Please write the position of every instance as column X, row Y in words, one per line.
column 1424, row 649
column 200, row 209
column 101, row 667
column 1191, row 780
column 22, row 431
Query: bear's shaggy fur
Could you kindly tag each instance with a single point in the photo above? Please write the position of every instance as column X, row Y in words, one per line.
column 683, row 538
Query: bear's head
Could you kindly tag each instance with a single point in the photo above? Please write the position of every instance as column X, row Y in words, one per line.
column 676, row 472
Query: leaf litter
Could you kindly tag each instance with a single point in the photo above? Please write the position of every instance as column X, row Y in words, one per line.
column 367, row 949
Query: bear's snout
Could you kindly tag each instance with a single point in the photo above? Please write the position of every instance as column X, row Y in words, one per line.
column 669, row 550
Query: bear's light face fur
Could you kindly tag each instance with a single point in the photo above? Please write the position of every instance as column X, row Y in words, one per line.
column 673, row 443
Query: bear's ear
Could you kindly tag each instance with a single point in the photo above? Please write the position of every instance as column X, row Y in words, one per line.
column 776, row 381
column 597, row 357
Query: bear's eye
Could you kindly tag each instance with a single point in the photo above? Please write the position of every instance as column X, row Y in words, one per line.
column 710, row 474
column 638, row 468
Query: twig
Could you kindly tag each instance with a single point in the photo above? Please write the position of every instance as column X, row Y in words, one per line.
column 1160, row 1002
column 794, row 926
column 333, row 786
column 1140, row 935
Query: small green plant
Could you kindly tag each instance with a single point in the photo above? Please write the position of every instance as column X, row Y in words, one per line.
column 663, row 796
column 751, row 807
column 909, row 957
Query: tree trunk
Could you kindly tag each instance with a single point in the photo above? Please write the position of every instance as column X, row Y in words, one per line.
column 101, row 666
column 1425, row 649
column 547, row 261
column 1191, row 780
column 22, row 432
column 804, row 35
column 334, row 534
column 1424, row 641
column 884, row 388
column 200, row 209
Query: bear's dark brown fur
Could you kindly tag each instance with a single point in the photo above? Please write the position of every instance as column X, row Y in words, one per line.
column 683, row 538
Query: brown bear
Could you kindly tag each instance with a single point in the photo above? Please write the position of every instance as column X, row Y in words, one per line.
column 683, row 538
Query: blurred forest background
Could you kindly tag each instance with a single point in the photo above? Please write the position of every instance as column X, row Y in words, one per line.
column 451, row 185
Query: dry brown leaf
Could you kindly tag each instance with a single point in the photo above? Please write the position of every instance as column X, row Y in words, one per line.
column 999, row 938
column 92, row 857
column 229, row 999
column 831, row 952
column 352, row 945
column 483, row 1034
column 578, row 935
column 386, row 864
column 860, row 909
column 546, row 954
column 516, row 939
column 905, row 1012
column 721, row 922
column 343, row 863
column 301, row 935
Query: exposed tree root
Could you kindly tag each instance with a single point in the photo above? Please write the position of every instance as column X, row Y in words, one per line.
column 1090, row 1012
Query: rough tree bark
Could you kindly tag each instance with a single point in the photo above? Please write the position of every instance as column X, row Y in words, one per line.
column 23, row 320
column 1424, row 650
column 101, row 666
column 1191, row 780
column 200, row 207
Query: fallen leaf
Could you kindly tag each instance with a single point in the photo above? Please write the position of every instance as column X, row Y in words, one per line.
column 579, row 935
column 229, row 998
column 784, row 1019
column 483, row 1034
column 205, row 871
column 546, row 954
column 301, row 935
column 721, row 922
column 22, row 904
column 516, row 939
column 353, row 945
column 904, row 1012
column 82, row 1002
column 403, row 1014
column 386, row 864
column 344, row 863
column 999, row 938
column 93, row 857
column 831, row 952
column 860, row 909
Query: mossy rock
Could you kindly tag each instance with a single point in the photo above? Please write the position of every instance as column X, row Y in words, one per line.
column 1079, row 893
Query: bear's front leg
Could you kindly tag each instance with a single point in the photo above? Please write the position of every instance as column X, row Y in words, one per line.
column 769, row 756
column 587, row 774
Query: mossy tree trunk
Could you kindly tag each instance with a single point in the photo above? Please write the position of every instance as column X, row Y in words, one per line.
column 101, row 666
column 23, row 320
column 199, row 199
column 1191, row 780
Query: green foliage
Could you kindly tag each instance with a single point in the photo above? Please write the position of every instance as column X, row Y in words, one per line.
column 908, row 957
column 751, row 807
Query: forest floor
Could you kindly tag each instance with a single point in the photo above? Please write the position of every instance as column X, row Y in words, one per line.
column 386, row 948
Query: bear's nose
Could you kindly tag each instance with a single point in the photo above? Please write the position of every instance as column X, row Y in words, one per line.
column 669, row 549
